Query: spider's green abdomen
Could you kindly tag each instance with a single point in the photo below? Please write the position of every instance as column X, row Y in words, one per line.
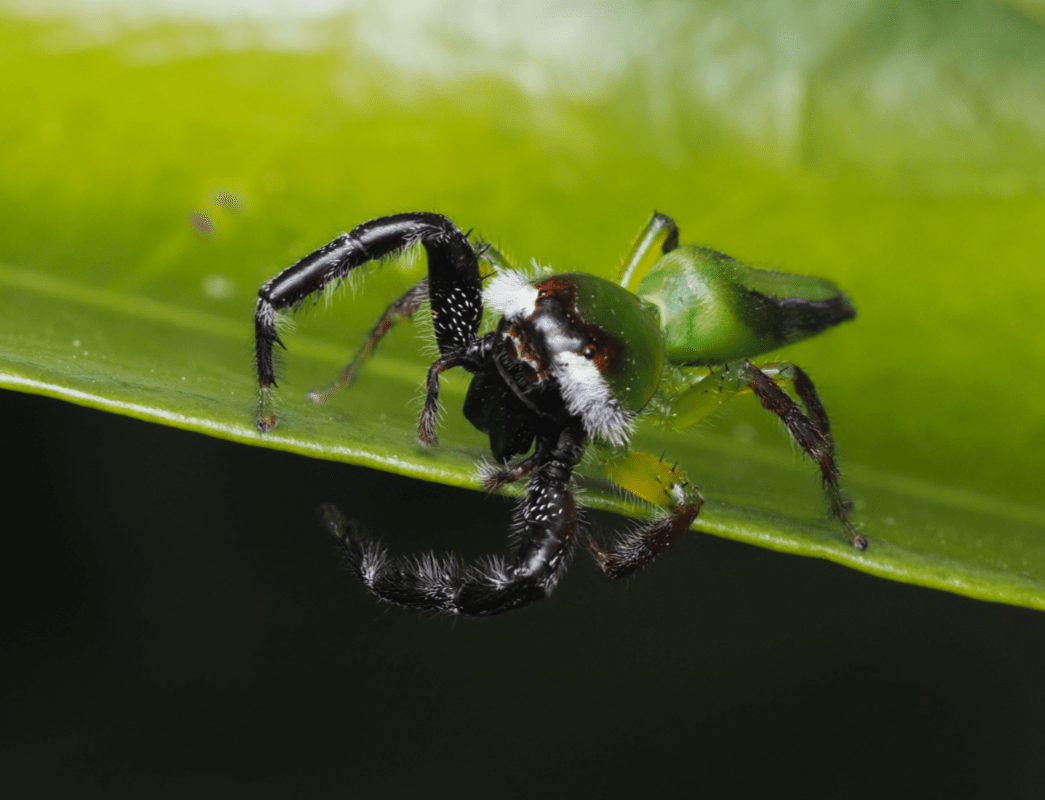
column 715, row 309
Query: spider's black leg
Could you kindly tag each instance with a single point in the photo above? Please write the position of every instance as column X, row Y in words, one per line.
column 546, row 527
column 426, row 422
column 812, row 432
column 453, row 282
column 402, row 309
column 634, row 550
column 806, row 391
column 658, row 482
column 494, row 477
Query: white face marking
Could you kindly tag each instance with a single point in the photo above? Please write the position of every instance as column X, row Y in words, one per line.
column 511, row 295
column 587, row 395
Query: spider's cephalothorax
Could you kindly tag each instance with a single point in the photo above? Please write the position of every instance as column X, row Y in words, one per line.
column 574, row 359
column 554, row 366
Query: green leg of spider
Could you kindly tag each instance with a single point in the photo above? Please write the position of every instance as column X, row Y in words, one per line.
column 659, row 236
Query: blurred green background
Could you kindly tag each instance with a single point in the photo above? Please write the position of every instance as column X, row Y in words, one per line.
column 175, row 622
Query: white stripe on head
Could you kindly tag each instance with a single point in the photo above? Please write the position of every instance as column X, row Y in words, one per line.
column 587, row 395
column 511, row 295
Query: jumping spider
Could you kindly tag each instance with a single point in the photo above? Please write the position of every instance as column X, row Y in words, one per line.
column 574, row 358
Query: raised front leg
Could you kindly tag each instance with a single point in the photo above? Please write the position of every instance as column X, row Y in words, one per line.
column 546, row 528
column 400, row 310
column 454, row 286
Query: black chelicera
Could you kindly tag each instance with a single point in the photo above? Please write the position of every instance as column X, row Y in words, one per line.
column 574, row 358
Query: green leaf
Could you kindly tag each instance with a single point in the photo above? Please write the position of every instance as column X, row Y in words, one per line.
column 157, row 170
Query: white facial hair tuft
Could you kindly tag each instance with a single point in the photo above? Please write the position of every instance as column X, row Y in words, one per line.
column 511, row 295
column 587, row 395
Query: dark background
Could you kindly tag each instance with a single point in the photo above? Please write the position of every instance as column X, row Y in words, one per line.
column 175, row 622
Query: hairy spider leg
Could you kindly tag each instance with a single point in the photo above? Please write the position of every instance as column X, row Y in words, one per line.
column 454, row 286
column 661, row 483
column 402, row 309
column 426, row 422
column 651, row 478
column 631, row 551
column 494, row 477
column 810, row 428
column 659, row 236
column 813, row 435
column 545, row 528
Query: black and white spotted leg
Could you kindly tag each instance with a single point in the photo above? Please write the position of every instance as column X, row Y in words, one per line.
column 454, row 285
column 545, row 528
